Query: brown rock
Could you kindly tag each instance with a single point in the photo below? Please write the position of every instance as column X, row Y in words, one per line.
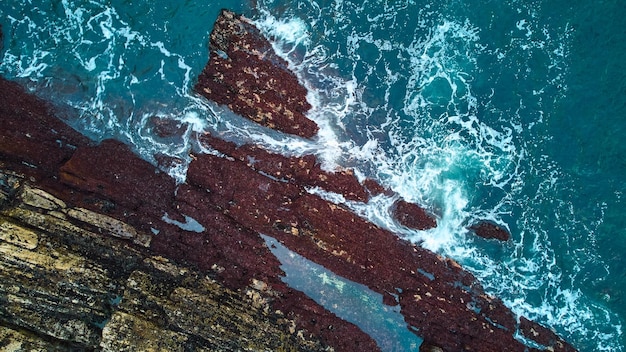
column 166, row 127
column 30, row 139
column 489, row 230
column 304, row 171
column 412, row 216
column 113, row 176
column 442, row 302
column 245, row 74
column 374, row 188
column 542, row 335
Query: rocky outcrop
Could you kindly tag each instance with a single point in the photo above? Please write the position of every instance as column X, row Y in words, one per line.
column 74, row 283
column 245, row 74
column 114, row 211
column 412, row 216
column 305, row 170
column 102, row 251
column 489, row 230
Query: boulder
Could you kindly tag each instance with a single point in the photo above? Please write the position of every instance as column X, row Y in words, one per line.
column 412, row 215
column 490, row 230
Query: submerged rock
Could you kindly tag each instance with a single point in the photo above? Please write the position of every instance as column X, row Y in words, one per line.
column 245, row 74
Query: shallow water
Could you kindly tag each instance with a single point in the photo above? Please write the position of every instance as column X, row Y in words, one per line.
column 511, row 111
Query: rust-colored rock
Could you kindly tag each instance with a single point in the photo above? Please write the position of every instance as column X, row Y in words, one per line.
column 245, row 74
column 38, row 143
column 542, row 335
column 489, row 230
column 166, row 127
column 412, row 215
column 112, row 179
column 374, row 188
column 305, row 170
column 444, row 304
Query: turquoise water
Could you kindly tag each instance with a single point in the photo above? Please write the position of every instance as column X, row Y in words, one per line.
column 512, row 111
column 350, row 301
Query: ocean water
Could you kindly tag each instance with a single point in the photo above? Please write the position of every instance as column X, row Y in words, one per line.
column 510, row 110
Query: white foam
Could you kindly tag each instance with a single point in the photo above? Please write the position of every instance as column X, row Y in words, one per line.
column 291, row 30
column 291, row 34
column 450, row 155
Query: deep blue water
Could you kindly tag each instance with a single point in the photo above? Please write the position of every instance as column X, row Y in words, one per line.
column 513, row 111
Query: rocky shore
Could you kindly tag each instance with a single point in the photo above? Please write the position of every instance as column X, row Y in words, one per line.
column 102, row 251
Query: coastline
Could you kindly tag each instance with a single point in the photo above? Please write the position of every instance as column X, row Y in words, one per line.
column 233, row 202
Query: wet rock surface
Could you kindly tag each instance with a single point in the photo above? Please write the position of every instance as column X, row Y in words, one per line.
column 412, row 215
column 101, row 251
column 101, row 231
column 246, row 74
column 489, row 230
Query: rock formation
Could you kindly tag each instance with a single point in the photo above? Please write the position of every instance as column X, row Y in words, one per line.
column 489, row 230
column 102, row 251
column 246, row 74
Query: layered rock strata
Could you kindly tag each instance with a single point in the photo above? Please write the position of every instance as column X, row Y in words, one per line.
column 76, row 270
column 103, row 251
column 70, row 284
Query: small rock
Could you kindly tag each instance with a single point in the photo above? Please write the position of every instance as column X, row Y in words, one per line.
column 489, row 230
column 412, row 216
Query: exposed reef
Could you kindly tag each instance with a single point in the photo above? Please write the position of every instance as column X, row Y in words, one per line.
column 489, row 230
column 245, row 74
column 102, row 251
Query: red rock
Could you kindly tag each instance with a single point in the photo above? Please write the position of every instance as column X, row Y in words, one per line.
column 304, row 171
column 245, row 74
column 165, row 127
column 30, row 138
column 111, row 172
column 374, row 188
column 490, row 230
column 445, row 304
column 541, row 335
column 167, row 161
column 412, row 216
